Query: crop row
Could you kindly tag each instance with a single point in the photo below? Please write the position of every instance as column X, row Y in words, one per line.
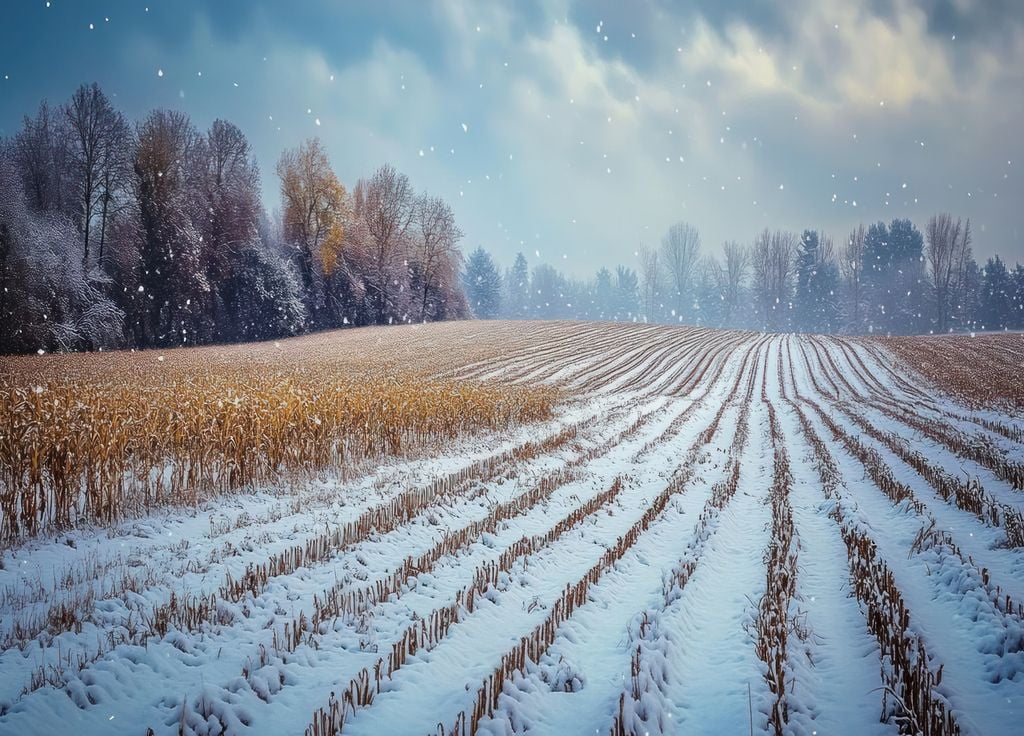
column 640, row 706
column 775, row 620
column 967, row 494
column 192, row 611
column 898, row 492
column 428, row 632
column 978, row 448
column 910, row 695
column 532, row 646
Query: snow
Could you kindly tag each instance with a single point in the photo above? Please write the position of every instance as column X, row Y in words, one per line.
column 642, row 399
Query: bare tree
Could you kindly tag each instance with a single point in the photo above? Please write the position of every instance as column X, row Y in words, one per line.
column 231, row 182
column 41, row 154
column 948, row 252
column 315, row 213
column 772, row 259
column 172, row 279
column 650, row 281
column 231, row 198
column 115, row 175
column 95, row 130
column 385, row 208
column 733, row 277
column 48, row 299
column 680, row 252
column 826, row 249
column 437, row 257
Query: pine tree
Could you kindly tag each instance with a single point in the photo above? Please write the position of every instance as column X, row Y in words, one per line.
column 604, row 295
column 996, row 299
column 826, row 294
column 817, row 282
column 1017, row 321
column 548, row 289
column 894, row 277
column 483, row 285
column 627, row 294
column 517, row 289
column 910, row 283
column 806, row 270
column 270, row 296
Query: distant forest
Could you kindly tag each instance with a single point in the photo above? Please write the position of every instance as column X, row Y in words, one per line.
column 881, row 279
column 153, row 234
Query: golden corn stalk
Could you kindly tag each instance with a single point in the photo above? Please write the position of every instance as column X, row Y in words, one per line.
column 138, row 433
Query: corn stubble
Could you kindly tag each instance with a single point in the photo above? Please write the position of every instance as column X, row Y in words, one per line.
column 100, row 446
column 952, row 363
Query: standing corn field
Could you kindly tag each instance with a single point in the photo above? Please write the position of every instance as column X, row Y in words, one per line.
column 138, row 436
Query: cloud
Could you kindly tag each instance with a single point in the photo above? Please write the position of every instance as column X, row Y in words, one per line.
column 816, row 120
column 732, row 122
column 830, row 58
column 591, row 127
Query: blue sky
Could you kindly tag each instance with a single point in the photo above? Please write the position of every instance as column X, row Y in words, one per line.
column 579, row 130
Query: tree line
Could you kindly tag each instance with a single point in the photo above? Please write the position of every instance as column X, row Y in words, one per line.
column 886, row 278
column 153, row 234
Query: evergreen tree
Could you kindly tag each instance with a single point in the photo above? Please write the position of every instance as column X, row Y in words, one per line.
column 1017, row 321
column 910, row 281
column 894, row 277
column 604, row 295
column 627, row 295
column 817, row 283
column 969, row 309
column 708, row 306
column 806, row 270
column 548, row 288
column 483, row 285
column 579, row 299
column 517, row 289
column 827, row 295
column 269, row 295
column 996, row 299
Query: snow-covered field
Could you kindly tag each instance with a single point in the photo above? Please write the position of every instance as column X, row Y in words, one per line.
column 719, row 532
